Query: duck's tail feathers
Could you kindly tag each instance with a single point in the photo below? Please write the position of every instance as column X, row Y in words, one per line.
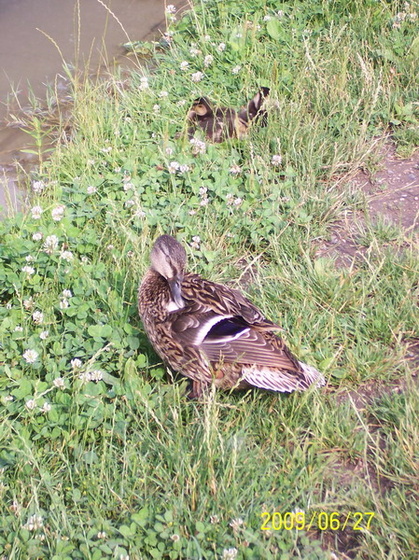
column 283, row 381
column 313, row 376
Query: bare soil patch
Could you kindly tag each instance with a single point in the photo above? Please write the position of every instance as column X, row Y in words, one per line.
column 392, row 194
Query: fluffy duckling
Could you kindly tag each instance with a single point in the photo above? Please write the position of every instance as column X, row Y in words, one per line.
column 221, row 123
column 211, row 333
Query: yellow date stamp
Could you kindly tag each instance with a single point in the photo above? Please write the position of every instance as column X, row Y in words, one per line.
column 321, row 520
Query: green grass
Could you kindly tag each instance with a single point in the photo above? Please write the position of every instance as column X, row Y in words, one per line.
column 105, row 457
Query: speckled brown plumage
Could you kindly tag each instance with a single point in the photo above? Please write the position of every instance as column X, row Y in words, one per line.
column 211, row 333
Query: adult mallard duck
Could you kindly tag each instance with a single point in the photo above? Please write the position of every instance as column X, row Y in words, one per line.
column 211, row 333
column 221, row 123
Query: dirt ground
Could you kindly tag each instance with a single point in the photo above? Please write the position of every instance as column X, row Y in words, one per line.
column 392, row 195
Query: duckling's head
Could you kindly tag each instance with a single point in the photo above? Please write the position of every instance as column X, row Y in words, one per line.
column 201, row 109
column 168, row 258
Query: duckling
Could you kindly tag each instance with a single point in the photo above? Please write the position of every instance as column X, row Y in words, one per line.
column 221, row 123
column 211, row 333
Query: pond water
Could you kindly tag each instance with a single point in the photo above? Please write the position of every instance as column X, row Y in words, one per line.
column 37, row 35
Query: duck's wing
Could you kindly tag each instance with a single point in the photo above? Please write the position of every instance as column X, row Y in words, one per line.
column 210, row 297
column 228, row 328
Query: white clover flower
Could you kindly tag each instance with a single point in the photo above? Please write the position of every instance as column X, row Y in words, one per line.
column 170, row 9
column 181, row 102
column 280, row 13
column 38, row 186
column 67, row 256
column 28, row 303
column 196, row 242
column 124, row 557
column 106, row 150
column 57, row 213
column 18, row 328
column 59, row 383
column 67, row 293
column 84, row 376
column 156, row 108
column 192, row 212
column 221, row 47
column 96, row 375
column 194, row 51
column 204, row 201
column 235, row 169
column 276, row 160
column 207, row 38
column 50, row 244
column 64, row 303
column 36, row 212
column 198, row 146
column 203, row 191
column 238, row 201
column 230, row 553
column 30, row 356
column 128, row 204
column 236, row 69
column 29, row 258
column 184, row 65
column 236, row 523
column 8, row 398
column 229, row 199
column 46, row 407
column 30, row 404
column 184, row 168
column 164, row 94
column 208, row 60
column 214, row 519
column 37, row 236
column 102, row 535
column 174, row 166
column 38, row 317
column 76, row 363
column 140, row 214
column 144, row 82
column 267, row 18
column 34, row 523
column 15, row 507
column 28, row 270
column 91, row 189
column 44, row 335
column 169, row 150
column 197, row 76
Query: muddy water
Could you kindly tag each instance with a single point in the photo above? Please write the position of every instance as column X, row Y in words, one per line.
column 85, row 34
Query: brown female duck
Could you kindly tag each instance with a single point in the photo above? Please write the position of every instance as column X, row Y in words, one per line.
column 212, row 333
column 221, row 123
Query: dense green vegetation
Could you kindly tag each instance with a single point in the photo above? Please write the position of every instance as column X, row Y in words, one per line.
column 102, row 455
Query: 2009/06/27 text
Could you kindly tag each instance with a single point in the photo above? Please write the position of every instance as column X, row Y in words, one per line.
column 322, row 520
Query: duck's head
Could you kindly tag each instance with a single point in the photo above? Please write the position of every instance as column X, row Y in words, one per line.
column 168, row 258
column 201, row 109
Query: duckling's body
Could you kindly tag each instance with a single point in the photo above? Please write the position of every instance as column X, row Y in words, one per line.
column 212, row 333
column 221, row 123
